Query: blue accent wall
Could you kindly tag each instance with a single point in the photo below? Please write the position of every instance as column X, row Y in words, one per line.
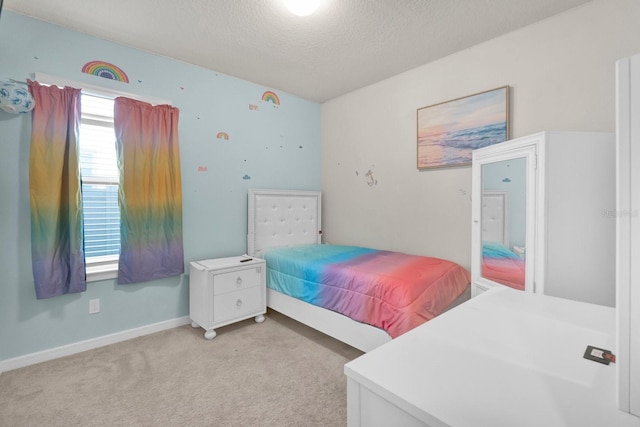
column 269, row 146
column 510, row 176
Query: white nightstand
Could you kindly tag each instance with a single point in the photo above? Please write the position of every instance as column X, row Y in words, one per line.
column 226, row 290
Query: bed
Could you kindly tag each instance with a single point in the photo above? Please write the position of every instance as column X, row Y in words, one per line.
column 502, row 265
column 338, row 289
column 499, row 263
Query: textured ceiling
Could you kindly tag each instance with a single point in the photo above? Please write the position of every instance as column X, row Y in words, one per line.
column 345, row 45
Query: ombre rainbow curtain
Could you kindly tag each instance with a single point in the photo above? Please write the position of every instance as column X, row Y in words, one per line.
column 150, row 191
column 57, row 251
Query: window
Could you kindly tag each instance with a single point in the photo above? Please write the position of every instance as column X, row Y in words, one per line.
column 100, row 174
column 99, row 171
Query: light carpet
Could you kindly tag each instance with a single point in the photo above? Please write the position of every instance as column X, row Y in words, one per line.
column 278, row 373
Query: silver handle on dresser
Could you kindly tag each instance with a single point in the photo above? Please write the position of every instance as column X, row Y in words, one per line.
column 239, row 281
column 239, row 303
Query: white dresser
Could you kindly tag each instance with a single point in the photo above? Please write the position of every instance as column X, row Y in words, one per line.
column 504, row 358
column 226, row 290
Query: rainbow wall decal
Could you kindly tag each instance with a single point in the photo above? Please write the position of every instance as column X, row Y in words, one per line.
column 105, row 70
column 222, row 135
column 269, row 96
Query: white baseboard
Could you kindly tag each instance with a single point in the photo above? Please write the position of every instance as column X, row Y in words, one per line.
column 78, row 347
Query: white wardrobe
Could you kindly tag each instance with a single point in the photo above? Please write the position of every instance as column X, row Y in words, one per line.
column 628, row 233
column 548, row 202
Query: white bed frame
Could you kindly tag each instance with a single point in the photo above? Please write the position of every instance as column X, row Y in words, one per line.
column 495, row 217
column 286, row 218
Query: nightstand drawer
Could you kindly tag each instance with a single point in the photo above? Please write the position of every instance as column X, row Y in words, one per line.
column 236, row 280
column 237, row 304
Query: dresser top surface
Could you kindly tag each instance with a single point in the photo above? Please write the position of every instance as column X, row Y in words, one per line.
column 229, row 262
column 503, row 358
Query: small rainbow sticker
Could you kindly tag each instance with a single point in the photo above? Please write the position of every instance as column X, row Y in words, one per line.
column 269, row 96
column 222, row 135
column 105, row 70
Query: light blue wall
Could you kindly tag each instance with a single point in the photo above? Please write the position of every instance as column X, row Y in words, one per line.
column 268, row 147
column 510, row 176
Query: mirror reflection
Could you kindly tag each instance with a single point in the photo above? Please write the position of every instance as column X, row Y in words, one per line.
column 503, row 219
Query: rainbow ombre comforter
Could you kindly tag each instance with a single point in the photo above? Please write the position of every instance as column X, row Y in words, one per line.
column 502, row 265
column 390, row 290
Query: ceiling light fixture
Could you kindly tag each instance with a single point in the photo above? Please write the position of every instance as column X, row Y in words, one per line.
column 302, row 7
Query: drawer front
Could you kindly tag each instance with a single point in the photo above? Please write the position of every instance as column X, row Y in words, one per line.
column 237, row 304
column 236, row 280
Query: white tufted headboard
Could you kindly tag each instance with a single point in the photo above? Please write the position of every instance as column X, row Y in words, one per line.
column 495, row 217
column 283, row 218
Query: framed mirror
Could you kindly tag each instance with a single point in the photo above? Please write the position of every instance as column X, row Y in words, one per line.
column 503, row 222
column 503, row 218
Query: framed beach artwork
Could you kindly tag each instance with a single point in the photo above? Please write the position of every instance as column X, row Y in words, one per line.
column 449, row 131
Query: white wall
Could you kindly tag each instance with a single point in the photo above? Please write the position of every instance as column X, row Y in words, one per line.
column 562, row 74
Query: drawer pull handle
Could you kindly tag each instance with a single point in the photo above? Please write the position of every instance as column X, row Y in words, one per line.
column 239, row 281
column 239, row 303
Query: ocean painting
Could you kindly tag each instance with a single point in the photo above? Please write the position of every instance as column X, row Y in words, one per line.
column 448, row 132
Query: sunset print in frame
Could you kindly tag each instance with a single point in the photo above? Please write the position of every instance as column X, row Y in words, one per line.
column 449, row 131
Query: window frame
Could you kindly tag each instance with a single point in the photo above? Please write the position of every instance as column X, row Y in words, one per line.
column 103, row 266
column 100, row 267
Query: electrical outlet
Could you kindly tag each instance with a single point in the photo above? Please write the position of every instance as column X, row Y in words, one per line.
column 94, row 306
